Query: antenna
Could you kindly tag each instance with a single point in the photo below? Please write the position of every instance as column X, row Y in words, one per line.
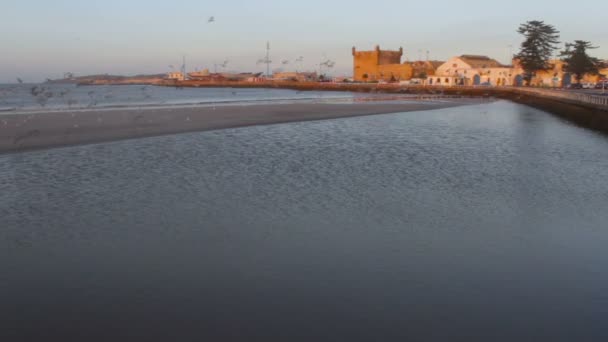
column 268, row 59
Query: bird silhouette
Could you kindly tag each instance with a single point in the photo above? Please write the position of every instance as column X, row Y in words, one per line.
column 19, row 80
column 211, row 20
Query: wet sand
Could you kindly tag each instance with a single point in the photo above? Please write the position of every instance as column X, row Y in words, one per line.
column 21, row 132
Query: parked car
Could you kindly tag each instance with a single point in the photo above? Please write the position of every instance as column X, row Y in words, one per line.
column 575, row 86
column 588, row 85
column 601, row 85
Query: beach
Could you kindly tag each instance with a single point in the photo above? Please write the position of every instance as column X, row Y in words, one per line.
column 28, row 131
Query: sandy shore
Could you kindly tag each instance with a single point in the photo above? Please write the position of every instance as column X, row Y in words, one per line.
column 20, row 132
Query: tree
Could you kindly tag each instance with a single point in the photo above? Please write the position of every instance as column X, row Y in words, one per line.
column 539, row 44
column 578, row 62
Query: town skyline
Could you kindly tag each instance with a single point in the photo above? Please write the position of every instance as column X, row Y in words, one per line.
column 68, row 36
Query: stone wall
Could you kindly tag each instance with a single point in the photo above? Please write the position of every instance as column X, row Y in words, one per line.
column 379, row 65
column 395, row 72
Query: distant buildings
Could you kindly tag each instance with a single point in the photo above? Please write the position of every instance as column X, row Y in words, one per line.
column 175, row 76
column 470, row 70
column 558, row 77
column 295, row 76
column 205, row 75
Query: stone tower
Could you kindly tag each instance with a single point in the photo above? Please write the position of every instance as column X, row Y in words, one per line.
column 378, row 65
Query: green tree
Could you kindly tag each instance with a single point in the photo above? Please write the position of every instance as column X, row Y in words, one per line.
column 578, row 62
column 539, row 44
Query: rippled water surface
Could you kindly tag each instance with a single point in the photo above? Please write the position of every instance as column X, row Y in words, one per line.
column 44, row 97
column 486, row 222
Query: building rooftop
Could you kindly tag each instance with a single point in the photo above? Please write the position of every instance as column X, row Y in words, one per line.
column 426, row 64
column 477, row 61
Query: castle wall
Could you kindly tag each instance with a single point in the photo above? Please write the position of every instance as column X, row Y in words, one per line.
column 365, row 64
column 396, row 72
column 379, row 65
column 390, row 57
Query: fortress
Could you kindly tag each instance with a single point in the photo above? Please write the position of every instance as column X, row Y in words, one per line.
column 380, row 65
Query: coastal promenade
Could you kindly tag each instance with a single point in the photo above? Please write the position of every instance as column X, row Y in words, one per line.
column 599, row 101
column 593, row 100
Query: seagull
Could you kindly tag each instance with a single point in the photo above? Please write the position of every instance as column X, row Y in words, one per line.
column 19, row 80
column 211, row 20
column 284, row 62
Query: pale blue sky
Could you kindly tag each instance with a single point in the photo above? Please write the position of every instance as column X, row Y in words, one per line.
column 44, row 38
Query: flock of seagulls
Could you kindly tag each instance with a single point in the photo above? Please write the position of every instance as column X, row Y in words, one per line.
column 43, row 94
column 327, row 63
column 224, row 64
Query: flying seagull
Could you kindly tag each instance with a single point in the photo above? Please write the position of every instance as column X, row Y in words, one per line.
column 211, row 20
column 19, row 80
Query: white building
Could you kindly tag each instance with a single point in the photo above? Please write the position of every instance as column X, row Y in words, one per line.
column 473, row 70
column 177, row 76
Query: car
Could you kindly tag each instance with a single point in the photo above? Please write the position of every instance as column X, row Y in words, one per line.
column 588, row 85
column 575, row 86
column 601, row 85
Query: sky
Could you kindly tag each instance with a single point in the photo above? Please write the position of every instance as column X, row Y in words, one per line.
column 42, row 39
